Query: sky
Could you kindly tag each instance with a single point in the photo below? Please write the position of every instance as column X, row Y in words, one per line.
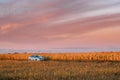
column 51, row 24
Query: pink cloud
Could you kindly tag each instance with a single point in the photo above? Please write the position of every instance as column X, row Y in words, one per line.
column 60, row 23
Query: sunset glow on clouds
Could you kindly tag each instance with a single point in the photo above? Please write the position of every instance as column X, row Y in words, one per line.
column 46, row 24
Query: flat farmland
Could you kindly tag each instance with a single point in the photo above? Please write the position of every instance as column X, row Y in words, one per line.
column 59, row 70
column 61, row 66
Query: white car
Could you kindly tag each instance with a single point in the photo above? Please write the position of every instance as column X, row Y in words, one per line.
column 36, row 58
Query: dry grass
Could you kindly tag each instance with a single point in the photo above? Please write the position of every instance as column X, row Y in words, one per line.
column 61, row 66
column 100, row 56
column 58, row 70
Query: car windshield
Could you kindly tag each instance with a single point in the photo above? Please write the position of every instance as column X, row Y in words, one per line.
column 35, row 56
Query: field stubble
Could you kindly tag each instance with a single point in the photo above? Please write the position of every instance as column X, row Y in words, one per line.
column 59, row 70
column 61, row 66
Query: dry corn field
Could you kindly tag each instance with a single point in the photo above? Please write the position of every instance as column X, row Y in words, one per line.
column 99, row 56
column 61, row 66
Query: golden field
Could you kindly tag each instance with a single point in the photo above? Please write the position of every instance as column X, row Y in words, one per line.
column 93, row 56
column 61, row 66
column 59, row 70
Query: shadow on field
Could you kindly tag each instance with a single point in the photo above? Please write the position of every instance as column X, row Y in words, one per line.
column 47, row 59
